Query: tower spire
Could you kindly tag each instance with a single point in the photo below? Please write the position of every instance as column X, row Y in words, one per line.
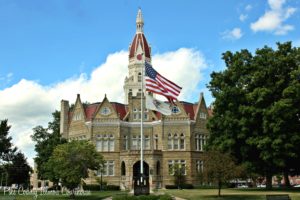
column 139, row 22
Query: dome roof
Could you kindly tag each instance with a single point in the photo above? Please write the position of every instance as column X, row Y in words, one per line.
column 139, row 39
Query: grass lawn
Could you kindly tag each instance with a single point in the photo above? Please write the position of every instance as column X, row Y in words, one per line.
column 231, row 194
column 93, row 196
column 193, row 194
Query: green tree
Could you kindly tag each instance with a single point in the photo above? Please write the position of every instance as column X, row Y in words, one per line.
column 219, row 168
column 6, row 146
column 18, row 170
column 72, row 161
column 178, row 172
column 46, row 140
column 256, row 109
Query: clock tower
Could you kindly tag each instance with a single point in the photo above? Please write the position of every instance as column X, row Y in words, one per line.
column 139, row 52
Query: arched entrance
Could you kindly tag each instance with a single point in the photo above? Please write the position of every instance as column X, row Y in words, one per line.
column 141, row 182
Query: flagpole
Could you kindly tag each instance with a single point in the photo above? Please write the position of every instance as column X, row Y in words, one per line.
column 142, row 116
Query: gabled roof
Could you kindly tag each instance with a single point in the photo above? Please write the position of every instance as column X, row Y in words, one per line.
column 120, row 109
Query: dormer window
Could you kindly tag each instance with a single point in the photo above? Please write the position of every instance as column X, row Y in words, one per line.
column 202, row 115
column 105, row 111
column 175, row 110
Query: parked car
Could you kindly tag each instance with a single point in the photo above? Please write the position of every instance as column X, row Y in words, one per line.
column 261, row 186
column 242, row 186
column 297, row 186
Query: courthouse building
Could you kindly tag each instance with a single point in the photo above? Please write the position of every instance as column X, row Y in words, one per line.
column 114, row 128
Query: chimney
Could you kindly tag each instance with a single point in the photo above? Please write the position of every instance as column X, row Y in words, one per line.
column 64, row 118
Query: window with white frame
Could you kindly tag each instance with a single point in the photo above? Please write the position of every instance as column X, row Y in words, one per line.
column 137, row 114
column 125, row 142
column 155, row 141
column 202, row 115
column 135, row 142
column 200, row 141
column 77, row 116
column 147, row 142
column 177, row 166
column 170, row 141
column 176, row 142
column 199, row 166
column 108, row 169
column 105, row 142
column 182, row 141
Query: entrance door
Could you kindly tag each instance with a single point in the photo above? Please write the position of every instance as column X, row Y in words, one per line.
column 141, row 181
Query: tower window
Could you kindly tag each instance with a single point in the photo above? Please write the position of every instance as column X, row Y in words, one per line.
column 139, row 77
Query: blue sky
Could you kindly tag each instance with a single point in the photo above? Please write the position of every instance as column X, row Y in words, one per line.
column 50, row 47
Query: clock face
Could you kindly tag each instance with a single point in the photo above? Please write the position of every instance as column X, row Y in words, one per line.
column 105, row 111
column 139, row 56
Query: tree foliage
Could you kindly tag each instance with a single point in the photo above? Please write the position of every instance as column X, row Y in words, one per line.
column 71, row 161
column 46, row 140
column 13, row 165
column 6, row 146
column 18, row 170
column 257, row 107
column 219, row 168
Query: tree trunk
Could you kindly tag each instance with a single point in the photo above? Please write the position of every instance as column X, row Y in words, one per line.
column 269, row 180
column 219, row 187
column 286, row 179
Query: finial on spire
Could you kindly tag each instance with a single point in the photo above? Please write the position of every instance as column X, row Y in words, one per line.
column 139, row 22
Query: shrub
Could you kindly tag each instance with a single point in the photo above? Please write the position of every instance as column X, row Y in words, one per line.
column 112, row 187
column 91, row 187
column 171, row 187
column 183, row 186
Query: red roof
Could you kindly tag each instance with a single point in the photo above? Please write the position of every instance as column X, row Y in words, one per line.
column 139, row 38
column 120, row 109
column 190, row 109
column 90, row 110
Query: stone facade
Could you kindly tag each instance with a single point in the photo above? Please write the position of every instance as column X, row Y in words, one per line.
column 115, row 129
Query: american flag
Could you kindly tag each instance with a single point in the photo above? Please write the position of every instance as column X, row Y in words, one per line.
column 158, row 84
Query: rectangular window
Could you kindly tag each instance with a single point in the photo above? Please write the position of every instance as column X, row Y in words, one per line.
column 170, row 167
column 99, row 145
column 134, row 142
column 108, row 169
column 181, row 143
column 125, row 142
column 111, row 145
column 176, row 143
column 199, row 166
column 147, row 142
column 169, row 143
column 105, row 145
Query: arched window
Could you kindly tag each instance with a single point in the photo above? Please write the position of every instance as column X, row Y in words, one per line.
column 139, row 77
column 170, row 141
column 176, row 141
column 123, row 169
column 182, row 141
column 158, row 168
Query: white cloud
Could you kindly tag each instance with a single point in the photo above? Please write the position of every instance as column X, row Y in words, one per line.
column 248, row 7
column 233, row 34
column 27, row 103
column 274, row 20
column 243, row 17
column 5, row 79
